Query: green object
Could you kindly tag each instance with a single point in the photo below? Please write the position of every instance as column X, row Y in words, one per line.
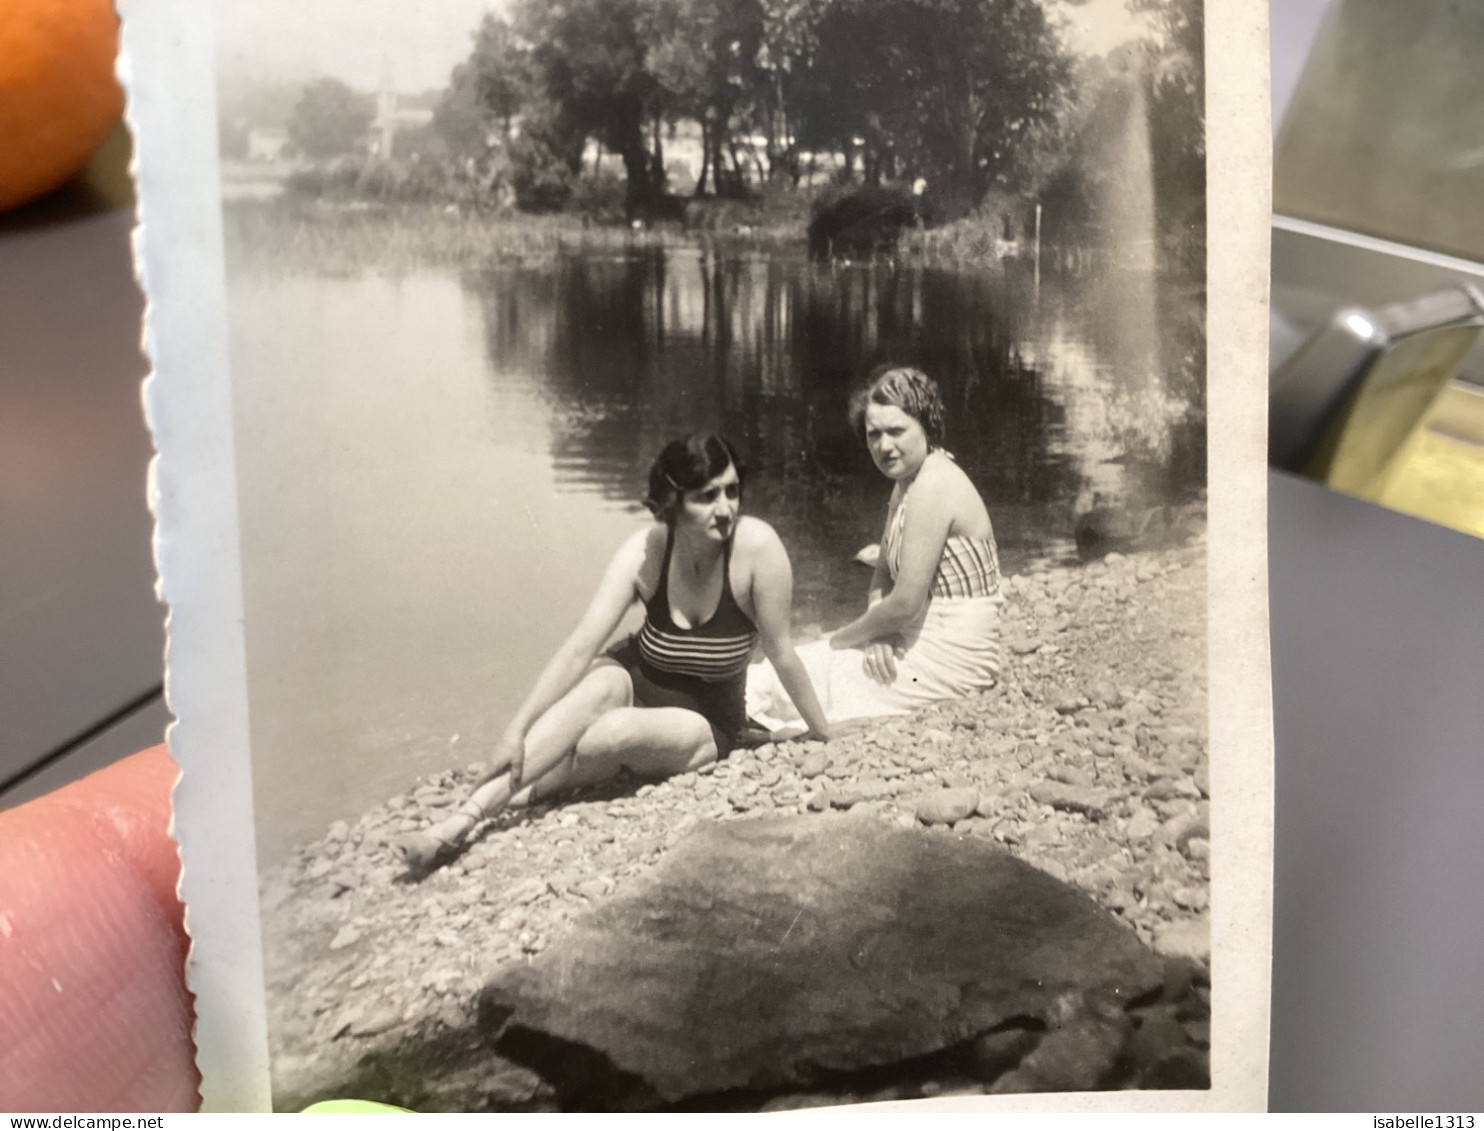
column 351, row 1107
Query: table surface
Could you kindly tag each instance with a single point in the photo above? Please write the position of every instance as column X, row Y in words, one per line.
column 1378, row 642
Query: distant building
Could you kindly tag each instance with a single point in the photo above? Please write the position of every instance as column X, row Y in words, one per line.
column 396, row 113
column 267, row 143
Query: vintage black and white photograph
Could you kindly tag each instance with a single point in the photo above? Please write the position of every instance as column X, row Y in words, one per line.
column 722, row 498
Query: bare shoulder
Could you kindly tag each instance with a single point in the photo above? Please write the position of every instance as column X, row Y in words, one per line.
column 956, row 493
column 645, row 543
column 642, row 553
column 944, row 473
column 755, row 538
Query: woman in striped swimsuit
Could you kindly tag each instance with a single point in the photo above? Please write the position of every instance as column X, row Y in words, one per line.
column 670, row 698
column 930, row 629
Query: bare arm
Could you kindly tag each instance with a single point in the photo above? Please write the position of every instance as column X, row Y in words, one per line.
column 880, row 575
column 925, row 534
column 772, row 599
column 615, row 594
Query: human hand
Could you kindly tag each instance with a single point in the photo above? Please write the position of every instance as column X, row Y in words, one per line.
column 880, row 661
column 509, row 755
column 94, row 1011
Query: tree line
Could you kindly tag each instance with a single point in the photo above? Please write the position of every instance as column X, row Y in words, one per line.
column 960, row 94
column 971, row 100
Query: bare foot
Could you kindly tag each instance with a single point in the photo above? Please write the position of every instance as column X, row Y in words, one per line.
column 424, row 850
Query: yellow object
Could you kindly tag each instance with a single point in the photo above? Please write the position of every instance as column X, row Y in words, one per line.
column 1438, row 473
column 59, row 98
column 351, row 1107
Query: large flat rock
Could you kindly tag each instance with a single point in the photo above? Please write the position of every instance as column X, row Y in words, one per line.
column 773, row 955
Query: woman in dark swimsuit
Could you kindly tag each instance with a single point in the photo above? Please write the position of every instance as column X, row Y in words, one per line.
column 671, row 698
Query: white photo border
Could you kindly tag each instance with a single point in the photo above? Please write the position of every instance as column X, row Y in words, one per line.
column 168, row 68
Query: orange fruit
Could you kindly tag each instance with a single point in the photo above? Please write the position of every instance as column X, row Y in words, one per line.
column 59, row 98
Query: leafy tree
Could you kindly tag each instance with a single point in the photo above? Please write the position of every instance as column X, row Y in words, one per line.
column 786, row 55
column 330, row 119
column 588, row 59
column 487, row 92
column 949, row 90
column 1177, row 120
column 703, row 57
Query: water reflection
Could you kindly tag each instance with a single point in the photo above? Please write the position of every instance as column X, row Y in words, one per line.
column 434, row 468
column 1048, row 395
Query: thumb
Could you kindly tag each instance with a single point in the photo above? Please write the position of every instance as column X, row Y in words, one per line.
column 94, row 1013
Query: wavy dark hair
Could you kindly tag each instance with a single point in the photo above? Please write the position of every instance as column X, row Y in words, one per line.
column 688, row 465
column 905, row 387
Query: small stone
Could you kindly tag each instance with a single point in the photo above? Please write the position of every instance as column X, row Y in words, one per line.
column 1071, row 775
column 346, row 936
column 999, row 1050
column 1183, row 827
column 1197, row 848
column 527, row 892
column 342, row 1023
column 1080, row 1055
column 379, row 1022
column 593, row 889
column 1068, row 706
column 844, row 798
column 1069, row 799
column 1198, row 1031
column 1164, row 789
column 1142, row 825
column 947, row 806
column 819, row 802
column 1185, row 938
column 812, row 764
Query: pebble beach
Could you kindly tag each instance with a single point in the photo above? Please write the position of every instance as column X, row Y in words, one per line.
column 1089, row 761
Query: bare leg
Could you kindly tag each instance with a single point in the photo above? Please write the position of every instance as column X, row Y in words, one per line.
column 649, row 742
column 606, row 687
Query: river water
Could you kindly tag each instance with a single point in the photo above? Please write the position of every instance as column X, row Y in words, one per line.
column 435, row 465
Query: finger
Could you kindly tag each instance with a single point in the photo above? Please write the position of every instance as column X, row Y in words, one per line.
column 94, row 1014
column 129, row 804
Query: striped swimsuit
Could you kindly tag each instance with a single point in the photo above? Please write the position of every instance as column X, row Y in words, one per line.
column 702, row 669
column 969, row 567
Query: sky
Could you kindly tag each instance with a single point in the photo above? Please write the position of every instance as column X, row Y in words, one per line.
column 1095, row 27
column 420, row 41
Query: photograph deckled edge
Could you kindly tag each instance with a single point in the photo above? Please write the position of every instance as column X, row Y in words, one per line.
column 179, row 254
column 166, row 67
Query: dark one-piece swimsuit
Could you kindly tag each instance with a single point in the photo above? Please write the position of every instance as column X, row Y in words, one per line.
column 702, row 669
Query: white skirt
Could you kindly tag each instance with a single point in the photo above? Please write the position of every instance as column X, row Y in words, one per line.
column 955, row 651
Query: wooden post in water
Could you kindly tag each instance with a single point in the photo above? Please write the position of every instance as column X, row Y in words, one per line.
column 1038, row 249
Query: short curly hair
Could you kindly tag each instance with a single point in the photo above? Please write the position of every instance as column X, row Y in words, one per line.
column 905, row 387
column 688, row 465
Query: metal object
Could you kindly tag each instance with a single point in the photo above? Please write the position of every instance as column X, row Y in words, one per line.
column 1343, row 407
